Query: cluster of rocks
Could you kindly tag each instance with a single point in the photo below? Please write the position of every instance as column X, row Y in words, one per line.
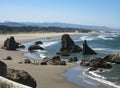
column 96, row 63
column 36, row 46
column 55, row 60
column 11, row 44
column 19, row 76
column 68, row 46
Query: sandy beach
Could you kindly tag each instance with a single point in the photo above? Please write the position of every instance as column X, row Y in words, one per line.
column 45, row 76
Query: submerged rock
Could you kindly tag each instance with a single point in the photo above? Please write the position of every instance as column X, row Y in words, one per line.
column 38, row 42
column 87, row 49
column 22, row 77
column 68, row 45
column 35, row 47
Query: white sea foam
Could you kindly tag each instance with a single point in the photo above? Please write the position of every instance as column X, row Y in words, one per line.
column 46, row 44
column 100, row 79
column 104, row 37
column 100, row 49
column 42, row 56
column 88, row 38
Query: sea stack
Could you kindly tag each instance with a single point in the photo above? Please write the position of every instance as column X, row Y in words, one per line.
column 68, row 45
column 87, row 49
column 10, row 44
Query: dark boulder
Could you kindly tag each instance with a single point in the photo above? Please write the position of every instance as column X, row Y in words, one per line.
column 22, row 77
column 38, row 42
column 74, row 59
column 3, row 69
column 11, row 44
column 96, row 63
column 27, row 61
column 87, row 49
column 113, row 58
column 68, row 44
column 8, row 58
column 35, row 47
column 43, row 63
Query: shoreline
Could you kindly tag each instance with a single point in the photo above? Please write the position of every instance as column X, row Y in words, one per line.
column 40, row 73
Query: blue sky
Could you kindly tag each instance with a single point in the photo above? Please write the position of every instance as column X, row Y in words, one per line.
column 85, row 12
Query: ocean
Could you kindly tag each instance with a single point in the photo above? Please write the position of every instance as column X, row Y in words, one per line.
column 103, row 43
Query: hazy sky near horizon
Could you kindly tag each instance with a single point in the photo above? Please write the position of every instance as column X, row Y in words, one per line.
column 85, row 12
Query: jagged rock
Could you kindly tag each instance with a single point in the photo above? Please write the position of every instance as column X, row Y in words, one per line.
column 8, row 58
column 3, row 69
column 74, row 59
column 68, row 45
column 113, row 58
column 38, row 42
column 11, row 44
column 43, row 63
column 95, row 62
column 27, row 61
column 35, row 47
column 87, row 49
column 22, row 77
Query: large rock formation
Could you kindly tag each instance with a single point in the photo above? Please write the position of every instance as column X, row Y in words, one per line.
column 68, row 45
column 3, row 69
column 22, row 77
column 87, row 49
column 35, row 47
column 113, row 58
column 10, row 44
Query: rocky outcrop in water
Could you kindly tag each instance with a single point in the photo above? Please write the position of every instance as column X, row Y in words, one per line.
column 35, row 47
column 22, row 77
column 68, row 45
column 3, row 69
column 96, row 63
column 38, row 42
column 87, row 49
column 113, row 58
